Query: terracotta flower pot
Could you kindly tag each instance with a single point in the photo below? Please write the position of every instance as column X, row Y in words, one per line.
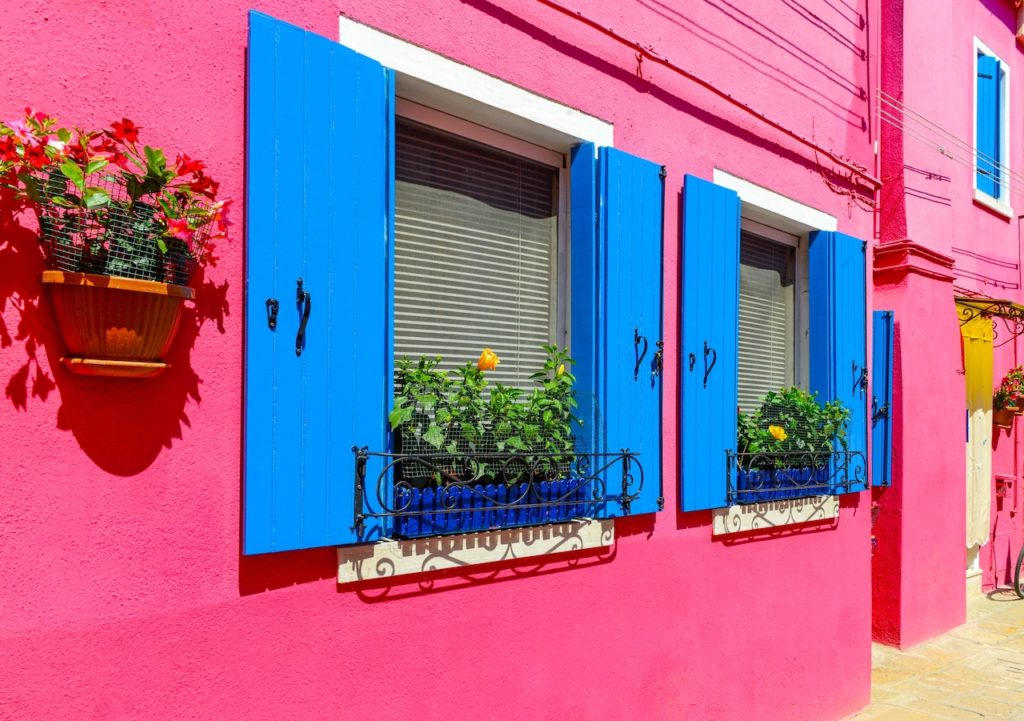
column 115, row 326
column 1002, row 417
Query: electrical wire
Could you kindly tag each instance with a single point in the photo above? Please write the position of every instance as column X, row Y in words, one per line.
column 939, row 130
column 1013, row 181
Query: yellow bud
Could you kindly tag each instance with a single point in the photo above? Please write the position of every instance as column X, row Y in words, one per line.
column 488, row 360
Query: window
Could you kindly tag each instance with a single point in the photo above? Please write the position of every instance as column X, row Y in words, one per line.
column 476, row 248
column 353, row 203
column 742, row 299
column 991, row 130
column 772, row 313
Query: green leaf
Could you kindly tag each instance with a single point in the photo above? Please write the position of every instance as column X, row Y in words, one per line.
column 399, row 416
column 63, row 202
column 73, row 173
column 162, row 245
column 156, row 163
column 64, row 135
column 95, row 165
column 95, row 197
column 434, row 437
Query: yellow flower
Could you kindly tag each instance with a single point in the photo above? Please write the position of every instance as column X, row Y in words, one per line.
column 560, row 371
column 488, row 360
column 778, row 432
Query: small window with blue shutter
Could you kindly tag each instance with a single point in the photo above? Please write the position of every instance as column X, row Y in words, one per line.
column 773, row 369
column 430, row 238
column 991, row 127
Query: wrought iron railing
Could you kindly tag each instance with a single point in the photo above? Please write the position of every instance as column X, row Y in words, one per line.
column 427, row 494
column 763, row 477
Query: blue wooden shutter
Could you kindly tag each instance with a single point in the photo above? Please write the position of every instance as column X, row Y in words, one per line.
column 838, row 318
column 630, row 223
column 318, row 208
column 708, row 366
column 585, row 302
column 883, row 336
column 987, row 121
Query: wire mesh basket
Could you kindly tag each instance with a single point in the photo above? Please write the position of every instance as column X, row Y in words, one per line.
column 120, row 238
column 466, row 455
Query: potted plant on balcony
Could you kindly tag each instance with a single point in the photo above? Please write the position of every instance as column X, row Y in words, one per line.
column 123, row 231
column 1008, row 399
column 474, row 456
column 786, row 446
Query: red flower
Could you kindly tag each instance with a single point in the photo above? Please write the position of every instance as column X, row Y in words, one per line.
column 178, row 228
column 125, row 130
column 203, row 184
column 39, row 117
column 187, row 165
column 220, row 215
column 108, row 149
column 35, row 155
column 8, row 149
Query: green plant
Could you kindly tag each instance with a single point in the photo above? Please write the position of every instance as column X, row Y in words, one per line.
column 434, row 412
column 791, row 421
column 109, row 205
column 1010, row 393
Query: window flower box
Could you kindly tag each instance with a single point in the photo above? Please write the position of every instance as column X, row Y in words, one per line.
column 478, row 507
column 122, row 230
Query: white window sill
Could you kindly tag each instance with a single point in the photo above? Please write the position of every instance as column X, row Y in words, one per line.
column 397, row 558
column 997, row 207
column 773, row 514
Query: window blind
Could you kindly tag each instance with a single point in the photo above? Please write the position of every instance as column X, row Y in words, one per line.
column 475, row 240
column 766, row 319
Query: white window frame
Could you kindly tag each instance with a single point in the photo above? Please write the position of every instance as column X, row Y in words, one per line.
column 768, row 211
column 467, row 95
column 1000, row 205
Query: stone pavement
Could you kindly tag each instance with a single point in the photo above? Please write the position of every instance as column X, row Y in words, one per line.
column 975, row 671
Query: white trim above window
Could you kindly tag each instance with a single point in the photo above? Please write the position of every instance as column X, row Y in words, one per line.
column 437, row 81
column 1000, row 205
column 773, row 209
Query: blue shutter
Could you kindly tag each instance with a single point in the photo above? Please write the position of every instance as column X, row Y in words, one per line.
column 838, row 318
column 630, row 222
column 585, row 305
column 318, row 198
column 708, row 367
column 987, row 121
column 882, row 339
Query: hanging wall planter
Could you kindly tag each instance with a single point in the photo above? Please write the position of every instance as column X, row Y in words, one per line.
column 123, row 231
column 1003, row 417
column 115, row 326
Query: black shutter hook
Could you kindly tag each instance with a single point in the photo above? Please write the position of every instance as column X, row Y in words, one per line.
column 300, row 297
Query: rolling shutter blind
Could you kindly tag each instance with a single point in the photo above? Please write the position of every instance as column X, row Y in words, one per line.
column 766, row 317
column 475, row 238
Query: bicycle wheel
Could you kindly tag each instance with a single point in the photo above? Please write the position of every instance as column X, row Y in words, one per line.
column 1018, row 582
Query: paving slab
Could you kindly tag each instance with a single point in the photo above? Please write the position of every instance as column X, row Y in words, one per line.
column 973, row 672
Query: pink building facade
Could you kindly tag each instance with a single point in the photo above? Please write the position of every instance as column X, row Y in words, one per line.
column 948, row 264
column 135, row 588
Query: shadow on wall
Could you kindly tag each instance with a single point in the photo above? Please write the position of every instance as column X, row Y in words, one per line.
column 429, row 582
column 273, row 571
column 121, row 424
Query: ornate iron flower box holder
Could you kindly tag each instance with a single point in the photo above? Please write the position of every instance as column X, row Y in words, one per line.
column 485, row 491
column 766, row 477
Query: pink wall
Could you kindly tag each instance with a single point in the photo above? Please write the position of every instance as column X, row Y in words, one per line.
column 125, row 596
column 929, row 203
